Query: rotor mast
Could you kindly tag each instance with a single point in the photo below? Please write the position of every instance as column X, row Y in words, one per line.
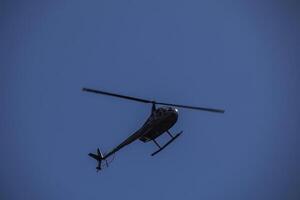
column 153, row 107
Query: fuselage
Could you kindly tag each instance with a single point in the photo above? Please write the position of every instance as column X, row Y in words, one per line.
column 160, row 120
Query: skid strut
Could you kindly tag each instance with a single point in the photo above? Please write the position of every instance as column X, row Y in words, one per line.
column 165, row 145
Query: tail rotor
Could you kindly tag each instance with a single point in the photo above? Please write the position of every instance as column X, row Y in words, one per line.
column 99, row 157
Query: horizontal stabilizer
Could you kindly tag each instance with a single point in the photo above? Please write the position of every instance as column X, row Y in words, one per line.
column 96, row 157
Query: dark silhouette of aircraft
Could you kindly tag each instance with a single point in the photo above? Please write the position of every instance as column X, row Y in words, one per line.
column 160, row 121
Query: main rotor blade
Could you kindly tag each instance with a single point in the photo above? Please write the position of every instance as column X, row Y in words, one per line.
column 193, row 107
column 116, row 95
column 153, row 102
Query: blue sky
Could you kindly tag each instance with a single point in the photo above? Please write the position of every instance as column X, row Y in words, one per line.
column 242, row 56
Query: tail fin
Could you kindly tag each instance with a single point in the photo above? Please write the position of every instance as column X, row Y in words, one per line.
column 98, row 157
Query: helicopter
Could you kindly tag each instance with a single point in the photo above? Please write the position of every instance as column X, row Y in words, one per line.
column 161, row 119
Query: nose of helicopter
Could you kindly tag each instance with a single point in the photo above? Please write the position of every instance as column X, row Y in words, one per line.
column 174, row 113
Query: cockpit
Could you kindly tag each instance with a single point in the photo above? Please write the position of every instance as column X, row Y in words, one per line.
column 163, row 111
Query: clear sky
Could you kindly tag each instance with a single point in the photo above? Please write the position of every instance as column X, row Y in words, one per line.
column 242, row 56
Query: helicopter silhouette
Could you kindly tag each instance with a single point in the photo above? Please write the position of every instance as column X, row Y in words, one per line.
column 160, row 121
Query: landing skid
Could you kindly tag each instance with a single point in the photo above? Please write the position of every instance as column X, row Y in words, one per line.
column 165, row 145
